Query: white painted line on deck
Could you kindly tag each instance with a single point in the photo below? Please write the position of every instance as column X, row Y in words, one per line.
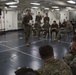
column 10, row 48
column 22, row 52
column 27, row 54
column 24, row 45
column 5, row 51
column 11, row 40
column 64, row 42
column 3, row 41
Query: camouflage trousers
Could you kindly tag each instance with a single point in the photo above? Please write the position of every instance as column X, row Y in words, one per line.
column 36, row 32
column 27, row 31
column 46, row 32
column 59, row 33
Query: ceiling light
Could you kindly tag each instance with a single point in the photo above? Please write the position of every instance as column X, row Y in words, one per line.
column 68, row 7
column 5, row 7
column 13, row 6
column 35, row 3
column 35, row 7
column 60, row 3
column 55, row 7
column 71, row 1
column 10, row 3
column 46, row 8
column 52, row 10
column 3, row 0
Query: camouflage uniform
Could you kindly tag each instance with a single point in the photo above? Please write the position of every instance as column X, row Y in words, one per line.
column 62, row 30
column 70, row 59
column 46, row 29
column 54, row 30
column 38, row 18
column 73, row 65
column 55, row 67
column 37, row 29
column 27, row 27
column 69, row 30
column 46, row 18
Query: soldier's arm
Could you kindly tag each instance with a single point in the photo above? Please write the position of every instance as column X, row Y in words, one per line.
column 57, row 26
column 49, row 18
column 23, row 21
column 36, row 18
column 44, row 19
column 73, row 63
column 31, row 17
column 71, row 28
column 30, row 20
column 49, row 25
column 52, row 26
column 68, row 58
column 41, row 17
column 73, row 66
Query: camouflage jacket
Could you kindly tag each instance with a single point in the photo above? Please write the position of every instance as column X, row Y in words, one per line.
column 55, row 67
column 73, row 62
column 73, row 66
column 68, row 58
column 46, row 26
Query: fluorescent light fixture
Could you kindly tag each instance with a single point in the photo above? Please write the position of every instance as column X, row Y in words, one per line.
column 3, row 0
column 35, row 3
column 60, row 3
column 46, row 8
column 52, row 10
column 10, row 3
column 13, row 6
column 71, row 1
column 35, row 7
column 68, row 7
column 5, row 7
column 55, row 7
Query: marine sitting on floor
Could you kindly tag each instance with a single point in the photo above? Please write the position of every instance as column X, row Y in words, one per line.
column 70, row 58
column 52, row 66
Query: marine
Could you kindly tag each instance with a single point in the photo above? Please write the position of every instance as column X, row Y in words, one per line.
column 27, row 21
column 52, row 66
column 46, row 27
